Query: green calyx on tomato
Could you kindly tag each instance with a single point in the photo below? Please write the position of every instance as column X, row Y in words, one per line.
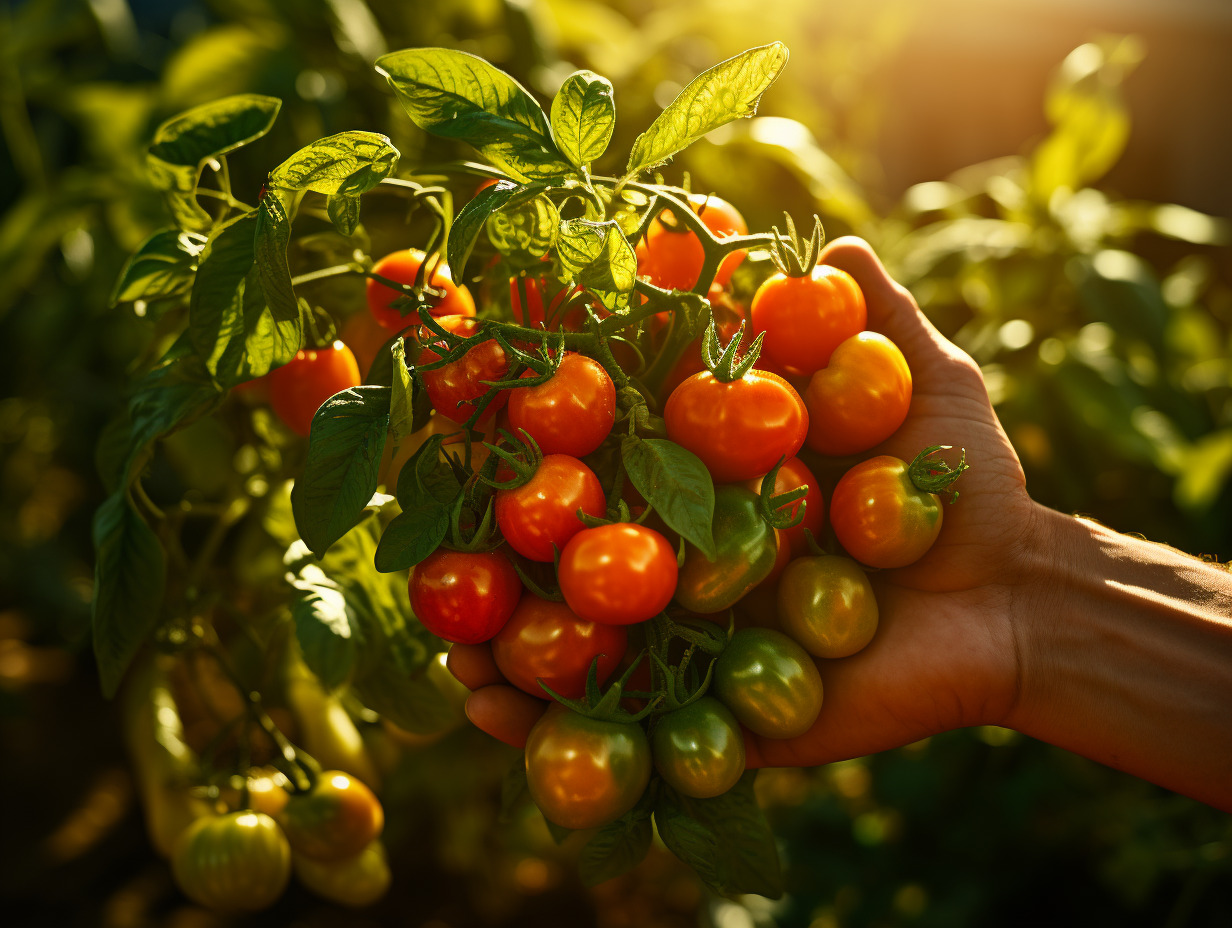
column 769, row 682
column 796, row 257
column 777, row 508
column 725, row 361
column 745, row 554
column 935, row 475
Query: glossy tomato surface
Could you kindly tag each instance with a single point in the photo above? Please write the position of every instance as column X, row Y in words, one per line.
column 582, row 772
column 860, row 398
column 239, row 862
column 334, row 820
column 738, row 429
column 827, row 605
column 402, row 267
column 745, row 554
column 542, row 512
column 880, row 517
column 699, row 749
column 572, row 412
column 464, row 597
column 618, row 574
column 547, row 641
column 805, row 318
column 298, row 388
column 672, row 257
column 769, row 682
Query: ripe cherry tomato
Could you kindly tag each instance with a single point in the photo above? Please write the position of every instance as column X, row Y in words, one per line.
column 860, row 398
column 547, row 641
column 334, row 820
column 698, row 749
column 357, row 881
column 769, row 682
column 402, row 266
column 297, row 389
column 880, row 517
column 572, row 412
column 465, row 597
column 583, row 772
column 365, row 337
column 672, row 258
column 618, row 574
column 239, row 862
column 542, row 512
column 455, row 388
column 806, row 318
column 795, row 473
column 739, row 429
column 827, row 605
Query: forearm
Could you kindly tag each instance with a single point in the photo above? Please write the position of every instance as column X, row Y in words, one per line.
column 1125, row 656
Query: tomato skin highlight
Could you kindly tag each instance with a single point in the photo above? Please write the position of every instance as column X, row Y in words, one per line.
column 238, row 862
column 547, row 640
column 298, row 388
column 699, row 749
column 543, row 511
column 806, row 318
column 738, row 429
column 455, row 388
column 582, row 772
column 746, row 552
column 618, row 574
column 860, row 398
column 673, row 259
column 464, row 597
column 880, row 517
column 769, row 682
column 827, row 605
column 572, row 412
column 336, row 819
column 402, row 266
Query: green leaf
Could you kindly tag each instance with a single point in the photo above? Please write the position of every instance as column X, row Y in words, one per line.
column 324, row 629
column 459, row 96
column 676, row 483
column 427, row 489
column 597, row 255
column 280, row 334
column 402, row 395
column 525, row 229
column 129, row 577
column 343, row 213
column 410, row 701
column 726, row 840
column 169, row 396
column 583, row 117
column 348, row 163
column 616, row 848
column 182, row 145
column 514, row 789
column 472, row 217
column 728, row 91
column 344, row 457
column 161, row 268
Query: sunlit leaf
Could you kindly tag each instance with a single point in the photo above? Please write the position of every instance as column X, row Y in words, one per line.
column 583, row 117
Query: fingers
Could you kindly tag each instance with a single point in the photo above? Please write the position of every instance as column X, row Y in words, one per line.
column 473, row 665
column 505, row 713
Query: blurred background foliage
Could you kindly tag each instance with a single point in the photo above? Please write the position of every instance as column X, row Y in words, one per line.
column 1053, row 192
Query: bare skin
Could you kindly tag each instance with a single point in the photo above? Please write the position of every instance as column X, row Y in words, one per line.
column 1115, row 648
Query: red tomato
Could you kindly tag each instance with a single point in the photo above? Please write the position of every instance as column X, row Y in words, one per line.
column 618, row 574
column 572, row 412
column 860, row 398
column 672, row 258
column 543, row 511
column 795, row 473
column 739, row 429
column 297, row 389
column 454, row 388
column 806, row 318
column 464, row 597
column 402, row 266
column 880, row 517
column 547, row 641
column 365, row 337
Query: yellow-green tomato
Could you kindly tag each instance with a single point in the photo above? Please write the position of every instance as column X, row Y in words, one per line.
column 356, row 881
column 584, row 772
column 745, row 550
column 239, row 862
column 769, row 682
column 827, row 605
column 698, row 749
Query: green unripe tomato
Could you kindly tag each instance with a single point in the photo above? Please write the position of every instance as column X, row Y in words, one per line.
column 698, row 749
column 239, row 862
column 356, row 881
column 745, row 554
column 769, row 682
column 827, row 605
